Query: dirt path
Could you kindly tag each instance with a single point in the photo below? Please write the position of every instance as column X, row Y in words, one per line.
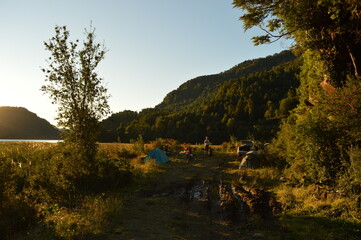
column 158, row 210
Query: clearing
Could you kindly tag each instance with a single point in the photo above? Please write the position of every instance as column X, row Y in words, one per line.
column 171, row 203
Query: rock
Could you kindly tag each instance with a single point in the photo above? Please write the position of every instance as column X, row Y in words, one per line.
column 251, row 160
column 256, row 201
column 228, row 203
column 258, row 235
column 224, row 201
column 199, row 191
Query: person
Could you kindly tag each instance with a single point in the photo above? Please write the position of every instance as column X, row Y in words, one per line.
column 188, row 150
column 206, row 145
column 167, row 150
column 188, row 154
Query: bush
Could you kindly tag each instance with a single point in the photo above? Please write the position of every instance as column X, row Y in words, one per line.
column 312, row 147
column 138, row 145
column 127, row 154
column 112, row 173
column 16, row 214
column 350, row 181
column 49, row 182
column 173, row 145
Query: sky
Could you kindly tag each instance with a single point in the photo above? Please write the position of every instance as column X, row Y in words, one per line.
column 153, row 46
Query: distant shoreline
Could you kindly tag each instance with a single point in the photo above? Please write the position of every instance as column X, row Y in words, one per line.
column 32, row 140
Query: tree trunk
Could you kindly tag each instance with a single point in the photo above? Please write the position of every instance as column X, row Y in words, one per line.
column 355, row 60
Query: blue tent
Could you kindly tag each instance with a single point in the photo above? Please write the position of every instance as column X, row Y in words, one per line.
column 158, row 155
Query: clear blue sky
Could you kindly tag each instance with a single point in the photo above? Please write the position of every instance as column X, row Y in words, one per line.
column 154, row 46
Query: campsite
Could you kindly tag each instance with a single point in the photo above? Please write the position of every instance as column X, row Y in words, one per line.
column 190, row 201
column 164, row 120
column 208, row 198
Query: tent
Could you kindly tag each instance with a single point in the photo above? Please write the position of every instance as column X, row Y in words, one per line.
column 158, row 155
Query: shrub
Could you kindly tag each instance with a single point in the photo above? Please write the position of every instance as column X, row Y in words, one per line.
column 117, row 150
column 127, row 154
column 16, row 214
column 112, row 173
column 173, row 145
column 49, row 182
column 264, row 178
column 319, row 143
column 350, row 180
column 138, row 145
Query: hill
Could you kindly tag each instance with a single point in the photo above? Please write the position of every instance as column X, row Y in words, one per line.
column 203, row 86
column 20, row 123
column 247, row 100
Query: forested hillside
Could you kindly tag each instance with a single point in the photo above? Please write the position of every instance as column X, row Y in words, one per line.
column 247, row 100
column 19, row 123
column 203, row 86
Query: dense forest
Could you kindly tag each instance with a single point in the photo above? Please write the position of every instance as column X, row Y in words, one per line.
column 245, row 101
column 19, row 123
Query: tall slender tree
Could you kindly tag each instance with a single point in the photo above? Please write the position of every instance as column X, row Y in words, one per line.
column 74, row 85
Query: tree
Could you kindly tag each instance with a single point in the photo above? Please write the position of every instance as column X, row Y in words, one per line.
column 74, row 85
column 326, row 122
column 329, row 27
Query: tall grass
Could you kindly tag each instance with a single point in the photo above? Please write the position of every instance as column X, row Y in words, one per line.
column 48, row 184
column 301, row 199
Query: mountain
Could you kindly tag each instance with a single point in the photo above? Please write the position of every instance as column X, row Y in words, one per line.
column 20, row 123
column 248, row 100
column 203, row 86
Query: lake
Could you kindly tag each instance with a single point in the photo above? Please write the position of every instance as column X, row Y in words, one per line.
column 30, row 140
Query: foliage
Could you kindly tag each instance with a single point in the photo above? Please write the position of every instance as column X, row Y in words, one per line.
column 343, row 108
column 75, row 86
column 138, row 145
column 47, row 183
column 319, row 140
column 114, row 127
column 88, row 218
column 320, row 145
column 351, row 182
column 112, row 173
column 330, row 27
column 265, row 178
column 172, row 145
column 316, row 200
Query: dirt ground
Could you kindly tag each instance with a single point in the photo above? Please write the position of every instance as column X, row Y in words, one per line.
column 157, row 209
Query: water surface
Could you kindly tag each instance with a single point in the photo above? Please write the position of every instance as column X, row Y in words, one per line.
column 31, row 140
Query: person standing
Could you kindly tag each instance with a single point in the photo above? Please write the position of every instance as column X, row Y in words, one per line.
column 206, row 146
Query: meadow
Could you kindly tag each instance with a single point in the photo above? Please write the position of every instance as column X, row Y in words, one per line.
column 46, row 194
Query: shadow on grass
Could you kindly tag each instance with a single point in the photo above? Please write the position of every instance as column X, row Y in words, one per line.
column 318, row 228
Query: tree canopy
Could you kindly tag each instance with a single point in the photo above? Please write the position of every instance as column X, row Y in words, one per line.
column 332, row 28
